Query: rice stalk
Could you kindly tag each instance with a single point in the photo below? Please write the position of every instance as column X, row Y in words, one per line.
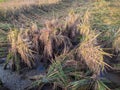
column 85, row 24
column 24, row 47
column 116, row 41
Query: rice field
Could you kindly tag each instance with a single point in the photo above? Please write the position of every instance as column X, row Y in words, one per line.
column 21, row 4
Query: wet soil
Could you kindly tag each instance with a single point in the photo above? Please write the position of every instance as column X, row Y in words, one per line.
column 12, row 80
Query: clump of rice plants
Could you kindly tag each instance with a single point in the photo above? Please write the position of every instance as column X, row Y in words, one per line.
column 69, row 50
column 46, row 44
column 80, row 67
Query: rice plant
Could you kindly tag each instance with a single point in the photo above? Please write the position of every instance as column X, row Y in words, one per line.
column 13, row 56
column 116, row 41
column 21, row 49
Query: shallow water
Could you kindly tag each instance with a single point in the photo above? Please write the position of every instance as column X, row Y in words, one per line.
column 12, row 80
column 15, row 81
